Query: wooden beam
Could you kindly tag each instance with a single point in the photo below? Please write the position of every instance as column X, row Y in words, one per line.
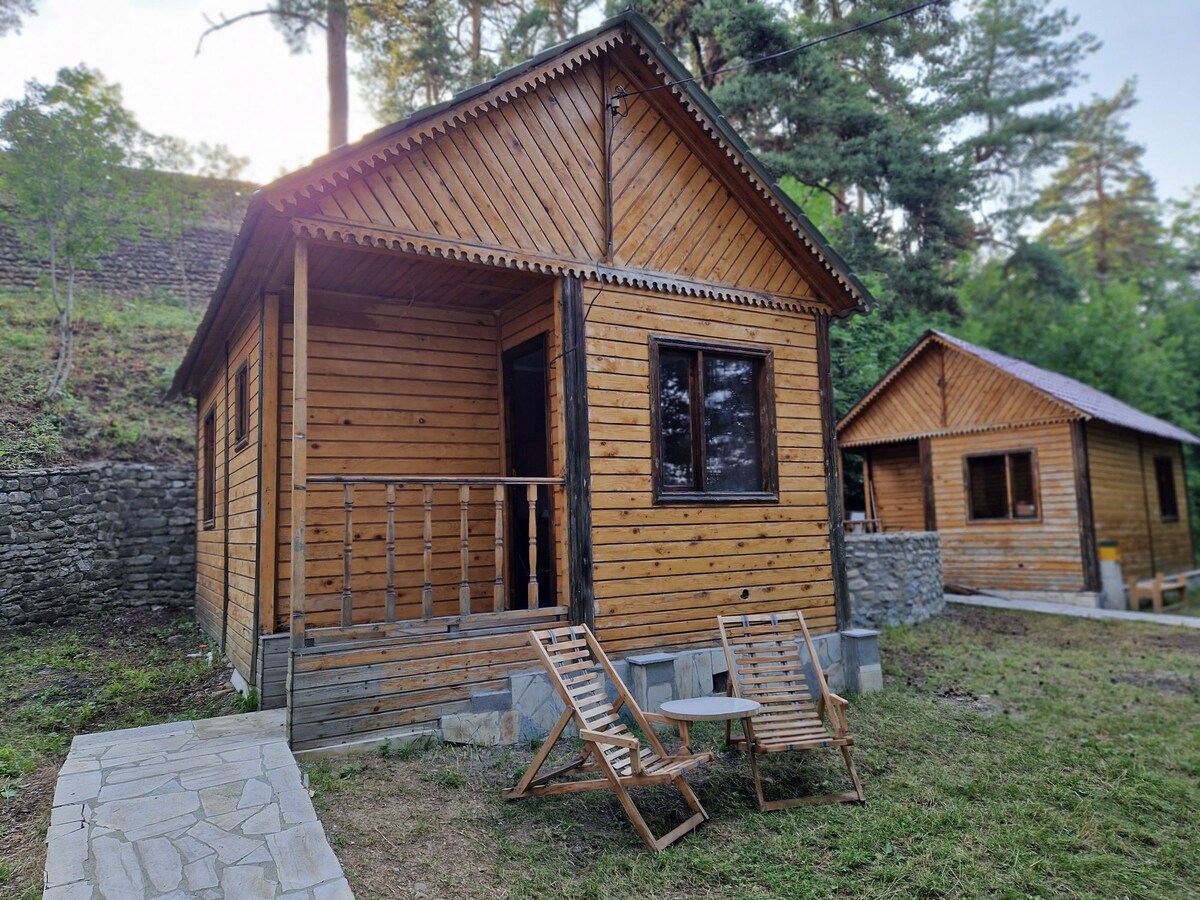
column 1083, row 502
column 926, row 457
column 578, row 467
column 299, row 438
column 268, row 465
column 607, row 174
column 833, row 491
column 223, row 418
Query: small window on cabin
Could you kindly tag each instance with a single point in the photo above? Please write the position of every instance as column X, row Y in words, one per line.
column 241, row 406
column 712, row 420
column 1002, row 486
column 208, row 461
column 1164, row 475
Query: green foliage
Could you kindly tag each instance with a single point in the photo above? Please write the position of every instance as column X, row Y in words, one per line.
column 11, row 12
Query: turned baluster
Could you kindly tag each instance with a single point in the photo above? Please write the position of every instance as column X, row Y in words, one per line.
column 531, row 497
column 464, row 586
column 427, row 554
column 390, row 597
column 498, row 598
column 347, row 550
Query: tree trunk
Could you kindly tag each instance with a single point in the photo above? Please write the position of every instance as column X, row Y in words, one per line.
column 339, row 104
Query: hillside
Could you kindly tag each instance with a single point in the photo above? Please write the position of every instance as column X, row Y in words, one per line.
column 126, row 352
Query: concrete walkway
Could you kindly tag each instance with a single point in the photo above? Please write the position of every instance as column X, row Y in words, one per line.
column 1081, row 612
column 209, row 809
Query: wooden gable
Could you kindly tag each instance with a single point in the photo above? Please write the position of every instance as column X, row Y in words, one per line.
column 524, row 182
column 938, row 389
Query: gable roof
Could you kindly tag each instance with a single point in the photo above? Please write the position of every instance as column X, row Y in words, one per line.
column 337, row 168
column 1086, row 401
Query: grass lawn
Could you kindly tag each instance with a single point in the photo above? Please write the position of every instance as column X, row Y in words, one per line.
column 1010, row 755
column 119, row 670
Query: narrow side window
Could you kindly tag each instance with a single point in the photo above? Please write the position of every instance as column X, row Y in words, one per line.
column 208, row 462
column 241, row 406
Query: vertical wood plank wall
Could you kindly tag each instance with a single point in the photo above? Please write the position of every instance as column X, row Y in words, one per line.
column 1126, row 505
column 896, row 490
column 397, row 389
column 663, row 572
column 241, row 481
column 1034, row 555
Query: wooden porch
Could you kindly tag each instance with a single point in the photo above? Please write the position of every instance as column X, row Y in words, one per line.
column 426, row 525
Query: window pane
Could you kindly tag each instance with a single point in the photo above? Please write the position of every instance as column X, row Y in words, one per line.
column 1024, row 500
column 988, row 488
column 733, row 444
column 675, row 419
column 1164, row 474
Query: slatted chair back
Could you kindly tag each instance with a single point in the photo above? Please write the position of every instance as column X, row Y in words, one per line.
column 578, row 665
column 765, row 665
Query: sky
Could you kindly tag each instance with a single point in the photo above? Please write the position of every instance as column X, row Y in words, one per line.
column 246, row 90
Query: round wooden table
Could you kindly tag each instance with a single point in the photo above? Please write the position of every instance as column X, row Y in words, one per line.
column 707, row 709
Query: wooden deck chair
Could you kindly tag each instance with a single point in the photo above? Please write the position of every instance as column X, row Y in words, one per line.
column 571, row 656
column 765, row 665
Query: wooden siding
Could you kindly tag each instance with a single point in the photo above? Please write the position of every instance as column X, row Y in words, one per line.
column 357, row 688
column 225, row 601
column 897, row 496
column 1025, row 555
column 663, row 572
column 1125, row 500
column 943, row 390
column 403, row 390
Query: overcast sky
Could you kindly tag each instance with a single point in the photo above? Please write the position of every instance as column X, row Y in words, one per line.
column 247, row 91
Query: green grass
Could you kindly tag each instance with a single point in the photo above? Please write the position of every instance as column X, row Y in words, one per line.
column 118, row 670
column 1010, row 755
column 126, row 353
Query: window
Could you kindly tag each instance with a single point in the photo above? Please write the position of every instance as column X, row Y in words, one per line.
column 1164, row 475
column 712, row 422
column 241, row 406
column 1002, row 486
column 208, row 461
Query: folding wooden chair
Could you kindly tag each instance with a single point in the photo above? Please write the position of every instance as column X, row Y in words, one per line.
column 571, row 656
column 765, row 665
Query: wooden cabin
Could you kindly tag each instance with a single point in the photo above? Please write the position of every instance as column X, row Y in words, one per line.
column 1021, row 471
column 555, row 350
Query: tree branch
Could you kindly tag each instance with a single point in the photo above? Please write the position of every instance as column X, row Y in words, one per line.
column 226, row 22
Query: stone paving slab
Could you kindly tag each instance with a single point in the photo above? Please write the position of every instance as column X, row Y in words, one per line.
column 210, row 809
column 1079, row 612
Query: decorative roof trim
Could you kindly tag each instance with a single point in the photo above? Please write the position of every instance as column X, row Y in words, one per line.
column 738, row 156
column 427, row 125
column 951, row 432
column 357, row 234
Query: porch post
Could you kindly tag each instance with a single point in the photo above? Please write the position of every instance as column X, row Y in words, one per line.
column 299, row 439
column 833, row 490
column 578, row 451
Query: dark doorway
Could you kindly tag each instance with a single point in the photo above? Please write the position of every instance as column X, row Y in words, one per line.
column 527, row 431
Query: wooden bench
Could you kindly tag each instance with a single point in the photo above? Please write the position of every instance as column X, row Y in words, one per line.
column 1152, row 589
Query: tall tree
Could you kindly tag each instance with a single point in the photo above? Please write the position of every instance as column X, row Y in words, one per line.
column 1100, row 205
column 67, row 148
column 11, row 12
column 297, row 19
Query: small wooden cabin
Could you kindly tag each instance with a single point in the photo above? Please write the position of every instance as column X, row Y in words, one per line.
column 1021, row 471
column 554, row 350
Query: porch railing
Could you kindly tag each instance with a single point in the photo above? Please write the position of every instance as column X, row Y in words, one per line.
column 466, row 486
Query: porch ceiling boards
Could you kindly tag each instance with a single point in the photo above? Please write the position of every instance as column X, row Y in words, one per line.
column 376, row 273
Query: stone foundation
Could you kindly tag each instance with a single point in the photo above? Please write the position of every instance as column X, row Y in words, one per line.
column 530, row 707
column 894, row 579
column 106, row 535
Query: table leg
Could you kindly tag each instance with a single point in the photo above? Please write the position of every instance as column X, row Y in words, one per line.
column 685, row 740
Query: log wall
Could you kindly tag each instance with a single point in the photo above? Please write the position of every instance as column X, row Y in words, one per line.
column 663, row 572
column 1126, row 504
column 1041, row 554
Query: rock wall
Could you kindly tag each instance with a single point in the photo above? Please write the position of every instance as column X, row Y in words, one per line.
column 894, row 579
column 92, row 537
column 188, row 268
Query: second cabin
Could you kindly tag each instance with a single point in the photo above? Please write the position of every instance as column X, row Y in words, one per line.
column 1021, row 471
column 553, row 351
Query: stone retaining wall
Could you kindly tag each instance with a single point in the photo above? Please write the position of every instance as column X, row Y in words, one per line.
column 97, row 536
column 894, row 579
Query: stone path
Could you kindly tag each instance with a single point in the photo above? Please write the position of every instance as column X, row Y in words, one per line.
column 209, row 809
column 1081, row 612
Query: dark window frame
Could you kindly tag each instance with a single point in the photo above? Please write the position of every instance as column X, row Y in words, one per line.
column 241, row 407
column 768, row 439
column 1010, row 515
column 208, row 469
column 1166, row 514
